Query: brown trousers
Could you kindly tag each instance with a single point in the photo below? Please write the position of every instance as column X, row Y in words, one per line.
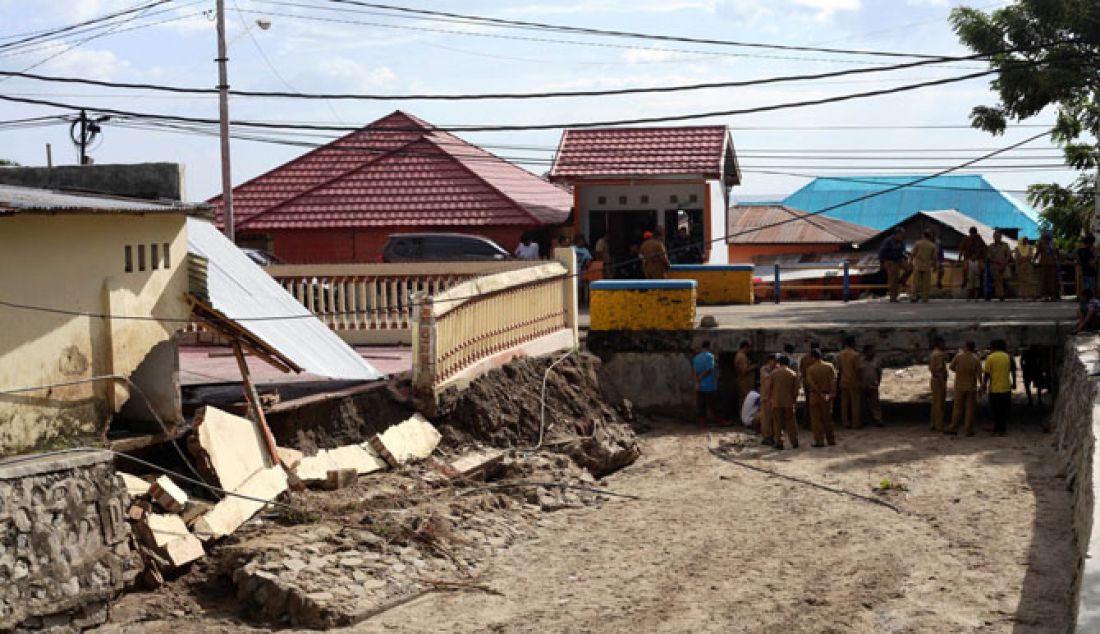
column 821, row 420
column 963, row 407
column 849, row 407
column 783, row 421
column 922, row 285
column 897, row 272
column 998, row 274
column 766, row 429
column 939, row 400
column 870, row 398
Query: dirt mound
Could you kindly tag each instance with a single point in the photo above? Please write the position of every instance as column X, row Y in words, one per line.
column 503, row 408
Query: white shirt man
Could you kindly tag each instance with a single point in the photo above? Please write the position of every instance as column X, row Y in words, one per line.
column 750, row 408
column 527, row 250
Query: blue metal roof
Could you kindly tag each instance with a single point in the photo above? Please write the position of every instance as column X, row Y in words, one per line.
column 970, row 194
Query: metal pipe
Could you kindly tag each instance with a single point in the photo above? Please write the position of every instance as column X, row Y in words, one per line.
column 847, row 283
column 775, row 285
column 223, row 124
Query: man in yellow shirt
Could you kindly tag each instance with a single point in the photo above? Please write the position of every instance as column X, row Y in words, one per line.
column 1000, row 379
column 923, row 258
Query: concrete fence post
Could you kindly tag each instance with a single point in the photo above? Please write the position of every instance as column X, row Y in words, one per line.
column 847, row 283
column 570, row 285
column 424, row 357
column 776, row 285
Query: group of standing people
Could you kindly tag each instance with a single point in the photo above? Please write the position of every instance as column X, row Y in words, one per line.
column 1033, row 267
column 767, row 396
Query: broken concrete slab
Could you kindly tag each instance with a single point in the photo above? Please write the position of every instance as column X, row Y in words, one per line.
column 228, row 449
column 234, row 510
column 135, row 486
column 340, row 479
column 413, row 439
column 168, row 536
column 362, row 458
column 289, row 457
column 168, row 495
column 476, row 462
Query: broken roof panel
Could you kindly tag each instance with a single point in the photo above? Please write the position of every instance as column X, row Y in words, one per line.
column 241, row 292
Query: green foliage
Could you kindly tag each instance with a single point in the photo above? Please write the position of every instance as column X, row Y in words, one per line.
column 1066, row 211
column 7, row 163
column 1047, row 53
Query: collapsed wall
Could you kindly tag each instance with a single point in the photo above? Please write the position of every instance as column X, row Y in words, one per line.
column 503, row 408
column 65, row 547
column 1076, row 420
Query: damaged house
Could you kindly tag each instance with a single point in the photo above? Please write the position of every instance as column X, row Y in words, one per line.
column 93, row 292
column 70, row 262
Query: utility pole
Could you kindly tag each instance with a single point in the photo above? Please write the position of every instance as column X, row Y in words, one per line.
column 223, row 121
column 83, row 139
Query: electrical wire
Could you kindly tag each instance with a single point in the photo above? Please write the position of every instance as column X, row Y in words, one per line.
column 138, row 9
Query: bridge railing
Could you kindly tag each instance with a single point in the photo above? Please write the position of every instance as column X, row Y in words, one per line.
column 484, row 322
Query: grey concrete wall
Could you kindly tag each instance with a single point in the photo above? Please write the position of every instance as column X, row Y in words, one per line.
column 65, row 546
column 904, row 344
column 139, row 180
column 660, row 383
column 1076, row 420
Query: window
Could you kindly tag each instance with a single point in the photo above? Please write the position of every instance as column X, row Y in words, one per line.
column 167, row 260
column 601, row 200
column 128, row 255
column 141, row 257
column 622, row 200
column 154, row 256
column 674, row 198
column 694, row 198
column 644, row 199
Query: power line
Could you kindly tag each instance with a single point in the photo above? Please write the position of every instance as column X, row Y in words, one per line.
column 65, row 29
column 470, row 97
column 543, row 26
column 542, row 126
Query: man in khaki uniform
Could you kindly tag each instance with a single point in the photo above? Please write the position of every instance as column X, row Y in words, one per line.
column 745, row 370
column 870, row 367
column 821, row 378
column 923, row 258
column 998, row 256
column 803, row 366
column 766, row 400
column 937, row 366
column 972, row 254
column 654, row 256
column 968, row 373
column 784, row 393
column 847, row 361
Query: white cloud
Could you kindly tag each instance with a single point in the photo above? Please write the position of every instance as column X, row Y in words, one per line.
column 87, row 62
column 826, row 8
column 356, row 74
column 611, row 6
column 928, row 3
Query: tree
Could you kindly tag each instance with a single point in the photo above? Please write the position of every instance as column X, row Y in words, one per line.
column 1047, row 54
column 7, row 163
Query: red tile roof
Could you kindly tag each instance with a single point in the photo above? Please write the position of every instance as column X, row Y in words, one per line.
column 624, row 152
column 760, row 224
column 397, row 171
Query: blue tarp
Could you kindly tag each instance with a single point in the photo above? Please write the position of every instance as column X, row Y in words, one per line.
column 970, row 194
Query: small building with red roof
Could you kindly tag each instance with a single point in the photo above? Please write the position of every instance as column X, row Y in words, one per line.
column 627, row 181
column 756, row 230
column 340, row 202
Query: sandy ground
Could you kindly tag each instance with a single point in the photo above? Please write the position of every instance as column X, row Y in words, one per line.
column 982, row 544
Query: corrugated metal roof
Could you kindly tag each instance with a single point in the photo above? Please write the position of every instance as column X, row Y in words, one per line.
column 970, row 194
column 397, row 171
column 953, row 219
column 241, row 291
column 807, row 229
column 705, row 151
column 15, row 199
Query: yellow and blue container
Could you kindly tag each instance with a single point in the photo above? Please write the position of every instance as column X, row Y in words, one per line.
column 718, row 283
column 642, row 305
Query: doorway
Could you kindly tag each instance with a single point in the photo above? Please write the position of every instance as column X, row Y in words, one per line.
column 624, row 230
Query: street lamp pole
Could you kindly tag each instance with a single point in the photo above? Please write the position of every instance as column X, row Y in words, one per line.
column 223, row 124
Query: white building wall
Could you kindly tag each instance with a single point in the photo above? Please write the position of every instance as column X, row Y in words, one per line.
column 719, row 209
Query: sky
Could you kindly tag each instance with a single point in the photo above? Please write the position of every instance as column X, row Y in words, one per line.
column 324, row 47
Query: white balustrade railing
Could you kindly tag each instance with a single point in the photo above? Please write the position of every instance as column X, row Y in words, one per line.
column 483, row 322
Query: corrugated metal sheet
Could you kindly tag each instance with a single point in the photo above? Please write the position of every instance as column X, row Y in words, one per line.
column 239, row 289
column 397, row 172
column 14, row 200
column 624, row 152
column 961, row 222
column 743, row 221
column 970, row 194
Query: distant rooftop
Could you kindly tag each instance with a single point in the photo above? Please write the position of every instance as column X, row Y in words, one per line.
column 780, row 224
column 970, row 194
